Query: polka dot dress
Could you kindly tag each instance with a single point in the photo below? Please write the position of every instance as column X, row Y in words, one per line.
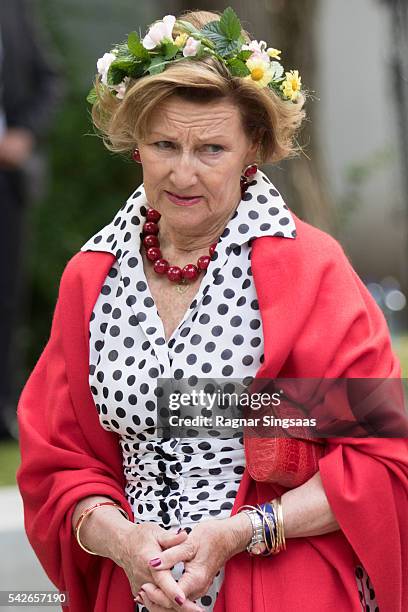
column 178, row 482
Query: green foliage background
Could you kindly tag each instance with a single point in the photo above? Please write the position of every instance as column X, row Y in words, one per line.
column 86, row 183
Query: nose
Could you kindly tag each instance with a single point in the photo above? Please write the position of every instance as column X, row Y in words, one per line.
column 183, row 173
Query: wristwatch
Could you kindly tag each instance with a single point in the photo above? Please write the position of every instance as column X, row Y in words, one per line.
column 257, row 544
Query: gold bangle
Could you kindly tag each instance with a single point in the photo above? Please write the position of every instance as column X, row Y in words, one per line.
column 280, row 531
column 88, row 512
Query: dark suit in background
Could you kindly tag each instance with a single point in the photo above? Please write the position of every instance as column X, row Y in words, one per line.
column 30, row 87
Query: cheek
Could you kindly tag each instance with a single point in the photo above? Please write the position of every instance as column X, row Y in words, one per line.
column 225, row 179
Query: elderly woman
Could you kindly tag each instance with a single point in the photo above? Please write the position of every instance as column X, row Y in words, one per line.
column 205, row 272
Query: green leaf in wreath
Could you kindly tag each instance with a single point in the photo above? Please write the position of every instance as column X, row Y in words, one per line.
column 244, row 54
column 238, row 67
column 157, row 65
column 230, row 25
column 212, row 32
column 138, row 69
column 186, row 26
column 124, row 64
column 202, row 51
column 228, row 48
column 116, row 74
column 92, row 97
column 135, row 46
column 169, row 50
column 223, row 46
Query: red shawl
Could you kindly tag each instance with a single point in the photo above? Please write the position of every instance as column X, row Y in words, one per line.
column 319, row 320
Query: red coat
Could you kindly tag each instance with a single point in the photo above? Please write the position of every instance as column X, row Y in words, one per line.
column 319, row 320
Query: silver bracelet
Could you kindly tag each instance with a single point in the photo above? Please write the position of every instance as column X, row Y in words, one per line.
column 257, row 533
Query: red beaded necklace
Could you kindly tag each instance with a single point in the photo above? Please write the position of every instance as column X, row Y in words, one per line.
column 190, row 272
column 161, row 266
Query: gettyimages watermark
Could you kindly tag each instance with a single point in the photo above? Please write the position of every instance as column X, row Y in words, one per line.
column 282, row 407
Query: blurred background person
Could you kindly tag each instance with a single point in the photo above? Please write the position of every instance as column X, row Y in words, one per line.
column 30, row 87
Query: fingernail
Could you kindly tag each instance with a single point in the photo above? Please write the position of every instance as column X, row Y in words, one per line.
column 155, row 562
column 179, row 600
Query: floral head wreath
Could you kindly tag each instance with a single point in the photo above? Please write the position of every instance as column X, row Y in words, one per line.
column 221, row 39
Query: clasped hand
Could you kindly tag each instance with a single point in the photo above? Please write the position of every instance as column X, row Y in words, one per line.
column 204, row 552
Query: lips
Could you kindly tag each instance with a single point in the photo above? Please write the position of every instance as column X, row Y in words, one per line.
column 183, row 197
column 182, row 200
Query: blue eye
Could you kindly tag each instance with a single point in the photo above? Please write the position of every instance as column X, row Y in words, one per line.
column 217, row 148
column 163, row 144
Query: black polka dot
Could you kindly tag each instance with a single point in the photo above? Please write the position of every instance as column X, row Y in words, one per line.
column 216, row 330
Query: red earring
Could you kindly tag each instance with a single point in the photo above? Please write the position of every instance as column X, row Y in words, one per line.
column 250, row 170
column 246, row 177
column 136, row 156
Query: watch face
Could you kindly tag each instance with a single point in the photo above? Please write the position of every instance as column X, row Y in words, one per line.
column 257, row 549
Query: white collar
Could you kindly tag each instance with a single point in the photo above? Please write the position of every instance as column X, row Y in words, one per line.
column 261, row 212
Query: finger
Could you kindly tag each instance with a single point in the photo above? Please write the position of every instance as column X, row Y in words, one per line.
column 180, row 552
column 194, row 583
column 169, row 587
column 156, row 597
column 152, row 607
column 167, row 539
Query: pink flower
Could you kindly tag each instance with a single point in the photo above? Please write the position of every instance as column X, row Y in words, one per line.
column 121, row 88
column 159, row 31
column 259, row 50
column 191, row 47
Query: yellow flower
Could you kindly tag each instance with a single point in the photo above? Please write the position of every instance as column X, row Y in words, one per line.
column 261, row 72
column 181, row 39
column 274, row 53
column 292, row 85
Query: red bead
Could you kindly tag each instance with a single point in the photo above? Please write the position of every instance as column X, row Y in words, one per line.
column 151, row 241
column 212, row 248
column 150, row 228
column 190, row 272
column 153, row 253
column 161, row 266
column 174, row 273
column 136, row 155
column 153, row 215
column 203, row 262
column 251, row 170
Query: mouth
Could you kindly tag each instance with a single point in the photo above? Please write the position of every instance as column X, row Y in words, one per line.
column 182, row 200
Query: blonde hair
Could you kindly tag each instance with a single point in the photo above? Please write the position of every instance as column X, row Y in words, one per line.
column 266, row 117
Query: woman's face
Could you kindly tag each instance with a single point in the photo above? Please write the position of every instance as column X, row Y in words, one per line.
column 193, row 157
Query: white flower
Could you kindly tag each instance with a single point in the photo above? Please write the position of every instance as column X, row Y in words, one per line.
column 261, row 72
column 258, row 49
column 159, row 31
column 103, row 65
column 191, row 47
column 121, row 88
